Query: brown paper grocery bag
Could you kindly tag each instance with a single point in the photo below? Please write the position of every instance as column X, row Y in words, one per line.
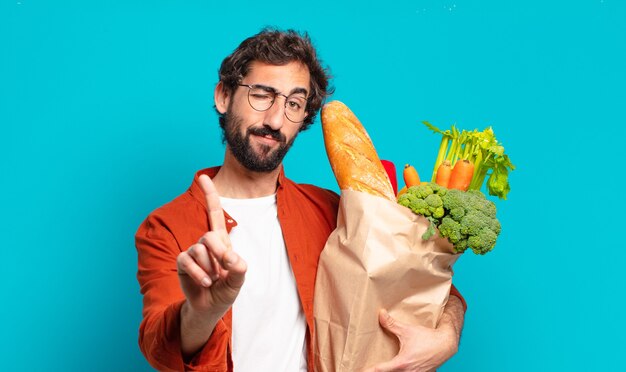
column 375, row 259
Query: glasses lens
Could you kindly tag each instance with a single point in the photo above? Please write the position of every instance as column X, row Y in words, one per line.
column 260, row 99
column 295, row 107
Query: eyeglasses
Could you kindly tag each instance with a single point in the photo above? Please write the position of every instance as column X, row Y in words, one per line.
column 261, row 98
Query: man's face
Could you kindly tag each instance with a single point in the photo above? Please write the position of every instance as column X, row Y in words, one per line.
column 259, row 140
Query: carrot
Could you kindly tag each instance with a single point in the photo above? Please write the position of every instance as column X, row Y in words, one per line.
column 461, row 175
column 443, row 174
column 411, row 178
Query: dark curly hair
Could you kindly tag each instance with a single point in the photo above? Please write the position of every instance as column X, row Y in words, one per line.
column 279, row 48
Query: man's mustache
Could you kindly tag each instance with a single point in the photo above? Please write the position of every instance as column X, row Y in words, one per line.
column 265, row 131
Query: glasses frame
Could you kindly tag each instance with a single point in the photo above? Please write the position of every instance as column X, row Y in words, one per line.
column 275, row 93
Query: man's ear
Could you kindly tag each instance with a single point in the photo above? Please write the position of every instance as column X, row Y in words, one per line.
column 221, row 97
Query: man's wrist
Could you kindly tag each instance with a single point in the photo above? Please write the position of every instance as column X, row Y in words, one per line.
column 195, row 328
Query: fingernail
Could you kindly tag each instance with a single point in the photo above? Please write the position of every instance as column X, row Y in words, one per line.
column 206, row 282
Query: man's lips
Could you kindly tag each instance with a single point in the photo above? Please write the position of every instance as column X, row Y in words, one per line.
column 265, row 135
column 267, row 139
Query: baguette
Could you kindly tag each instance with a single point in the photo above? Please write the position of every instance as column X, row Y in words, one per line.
column 352, row 154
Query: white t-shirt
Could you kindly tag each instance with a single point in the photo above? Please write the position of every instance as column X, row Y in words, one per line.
column 269, row 327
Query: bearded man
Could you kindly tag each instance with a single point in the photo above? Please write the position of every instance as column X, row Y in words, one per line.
column 227, row 269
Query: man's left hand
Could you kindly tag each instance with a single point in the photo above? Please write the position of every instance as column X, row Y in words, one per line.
column 423, row 348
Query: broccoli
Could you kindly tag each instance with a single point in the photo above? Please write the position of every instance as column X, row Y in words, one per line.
column 476, row 201
column 407, row 199
column 435, row 205
column 482, row 242
column 438, row 212
column 439, row 190
column 453, row 199
column 418, row 206
column 450, row 229
column 460, row 246
column 495, row 226
column 489, row 209
column 472, row 222
column 430, row 231
column 421, row 191
column 466, row 218
column 433, row 201
column 476, row 193
column 457, row 213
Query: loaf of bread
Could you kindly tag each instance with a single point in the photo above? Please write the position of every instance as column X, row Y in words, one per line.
column 352, row 154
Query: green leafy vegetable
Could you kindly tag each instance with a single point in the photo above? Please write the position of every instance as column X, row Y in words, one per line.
column 480, row 148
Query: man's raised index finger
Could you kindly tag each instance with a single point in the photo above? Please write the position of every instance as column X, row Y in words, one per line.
column 214, row 208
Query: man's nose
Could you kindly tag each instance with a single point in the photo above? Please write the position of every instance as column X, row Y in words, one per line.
column 275, row 116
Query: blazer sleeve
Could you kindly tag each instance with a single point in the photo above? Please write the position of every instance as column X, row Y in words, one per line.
column 159, row 332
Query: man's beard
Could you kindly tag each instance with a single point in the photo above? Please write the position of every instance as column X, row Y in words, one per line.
column 268, row 159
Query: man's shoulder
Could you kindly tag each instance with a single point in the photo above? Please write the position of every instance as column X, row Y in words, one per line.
column 314, row 189
column 188, row 204
column 313, row 192
column 181, row 205
column 182, row 213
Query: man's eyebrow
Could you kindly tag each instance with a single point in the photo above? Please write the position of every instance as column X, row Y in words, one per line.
column 299, row 90
column 267, row 88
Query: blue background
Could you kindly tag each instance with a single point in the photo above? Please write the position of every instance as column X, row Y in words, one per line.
column 106, row 113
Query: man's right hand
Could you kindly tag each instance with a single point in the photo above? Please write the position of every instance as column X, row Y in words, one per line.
column 211, row 275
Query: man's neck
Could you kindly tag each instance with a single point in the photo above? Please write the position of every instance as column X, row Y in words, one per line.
column 235, row 181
